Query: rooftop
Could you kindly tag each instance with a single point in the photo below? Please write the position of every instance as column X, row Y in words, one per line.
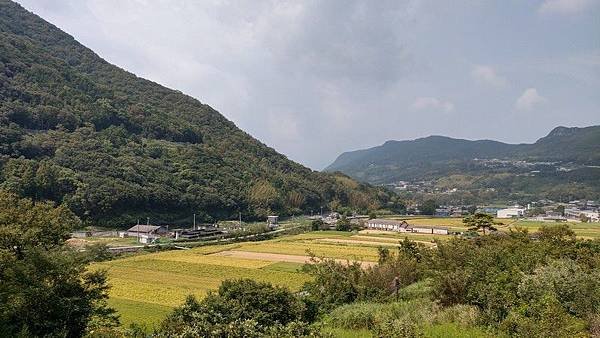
column 144, row 228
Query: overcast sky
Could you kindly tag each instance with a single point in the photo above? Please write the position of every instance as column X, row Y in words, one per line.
column 313, row 79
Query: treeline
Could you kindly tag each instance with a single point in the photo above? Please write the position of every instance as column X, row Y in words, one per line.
column 115, row 148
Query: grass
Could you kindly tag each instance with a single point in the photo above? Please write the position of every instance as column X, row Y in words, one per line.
column 346, row 333
column 300, row 248
column 129, row 311
column 427, row 318
column 401, row 236
column 284, row 266
column 583, row 230
column 456, row 331
column 146, row 287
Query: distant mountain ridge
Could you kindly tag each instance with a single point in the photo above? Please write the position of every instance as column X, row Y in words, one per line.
column 435, row 157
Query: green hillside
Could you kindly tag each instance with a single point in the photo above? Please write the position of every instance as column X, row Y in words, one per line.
column 564, row 164
column 115, row 147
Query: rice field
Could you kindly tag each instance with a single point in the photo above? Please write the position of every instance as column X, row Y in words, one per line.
column 583, row 230
column 146, row 287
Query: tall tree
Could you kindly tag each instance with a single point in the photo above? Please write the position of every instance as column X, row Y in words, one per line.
column 45, row 288
column 480, row 221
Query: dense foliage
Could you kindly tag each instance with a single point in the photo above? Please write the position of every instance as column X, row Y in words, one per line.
column 240, row 308
column 545, row 284
column 113, row 147
column 45, row 289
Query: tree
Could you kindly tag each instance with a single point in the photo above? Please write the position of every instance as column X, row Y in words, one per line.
column 240, row 308
column 45, row 288
column 428, row 207
column 480, row 221
column 343, row 224
column 557, row 233
column 560, row 209
column 317, row 224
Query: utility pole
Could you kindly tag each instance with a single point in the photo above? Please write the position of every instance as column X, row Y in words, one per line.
column 194, row 226
column 321, row 212
column 240, row 214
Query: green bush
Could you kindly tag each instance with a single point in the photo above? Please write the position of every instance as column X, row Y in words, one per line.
column 397, row 328
column 240, row 308
column 543, row 317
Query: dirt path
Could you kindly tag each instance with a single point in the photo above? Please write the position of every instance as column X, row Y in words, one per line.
column 373, row 239
column 265, row 256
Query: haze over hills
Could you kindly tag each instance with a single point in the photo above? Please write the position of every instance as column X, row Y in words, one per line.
column 566, row 157
column 115, row 147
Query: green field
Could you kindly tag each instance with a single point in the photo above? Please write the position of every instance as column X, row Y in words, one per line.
column 145, row 287
column 583, row 230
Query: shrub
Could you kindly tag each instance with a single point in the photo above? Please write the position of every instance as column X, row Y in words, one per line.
column 542, row 318
column 240, row 308
column 463, row 315
column 317, row 224
column 577, row 290
column 397, row 328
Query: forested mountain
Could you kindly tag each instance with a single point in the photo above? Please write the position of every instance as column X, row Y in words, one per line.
column 566, row 159
column 114, row 147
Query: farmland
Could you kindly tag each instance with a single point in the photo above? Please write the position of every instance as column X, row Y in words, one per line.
column 146, row 287
column 583, row 230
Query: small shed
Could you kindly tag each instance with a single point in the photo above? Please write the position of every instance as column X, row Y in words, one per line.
column 272, row 221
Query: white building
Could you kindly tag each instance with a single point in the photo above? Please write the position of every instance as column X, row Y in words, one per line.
column 510, row 213
column 403, row 226
column 388, row 224
column 576, row 214
column 429, row 229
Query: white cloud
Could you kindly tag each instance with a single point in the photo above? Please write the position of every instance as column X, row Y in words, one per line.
column 529, row 99
column 565, row 6
column 432, row 103
column 487, row 75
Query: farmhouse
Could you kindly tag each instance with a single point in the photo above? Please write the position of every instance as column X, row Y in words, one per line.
column 576, row 213
column 429, row 229
column 403, row 226
column 510, row 213
column 146, row 230
column 388, row 224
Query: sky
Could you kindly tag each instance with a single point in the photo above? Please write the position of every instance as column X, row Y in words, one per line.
column 313, row 79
